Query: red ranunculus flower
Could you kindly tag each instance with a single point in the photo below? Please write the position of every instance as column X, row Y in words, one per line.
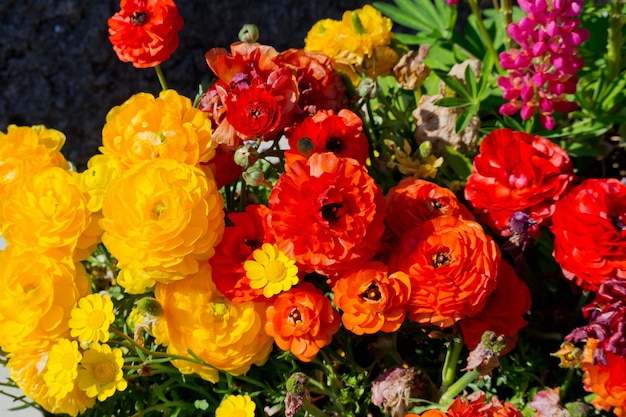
column 259, row 96
column 371, row 299
column 328, row 210
column 516, row 171
column 503, row 312
column 453, row 267
column 326, row 131
column 476, row 404
column 145, row 32
column 248, row 232
column 413, row 201
column 321, row 86
column 589, row 228
column 302, row 320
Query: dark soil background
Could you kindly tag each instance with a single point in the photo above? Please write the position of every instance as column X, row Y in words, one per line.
column 58, row 68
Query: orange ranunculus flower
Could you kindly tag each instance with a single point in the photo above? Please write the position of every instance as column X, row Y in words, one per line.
column 37, row 294
column 372, row 300
column 302, row 320
column 325, row 131
column 228, row 336
column 46, row 212
column 163, row 217
column 168, row 127
column 28, row 149
column 413, row 201
column 453, row 266
column 606, row 381
column 329, row 210
column 503, row 312
column 145, row 32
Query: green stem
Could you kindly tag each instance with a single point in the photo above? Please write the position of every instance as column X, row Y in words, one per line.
column 312, row 409
column 161, row 77
column 507, row 18
column 613, row 55
column 161, row 407
column 456, row 388
column 448, row 372
column 485, row 35
column 566, row 382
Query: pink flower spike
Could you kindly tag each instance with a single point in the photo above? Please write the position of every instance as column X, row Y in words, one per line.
column 527, row 112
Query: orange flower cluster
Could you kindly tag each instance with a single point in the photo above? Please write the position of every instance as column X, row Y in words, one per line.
column 606, row 381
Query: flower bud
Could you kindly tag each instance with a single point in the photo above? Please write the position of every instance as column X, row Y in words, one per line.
column 245, row 156
column 296, row 393
column 249, row 33
column 150, row 306
column 254, row 176
column 425, row 149
column 368, row 88
column 305, row 146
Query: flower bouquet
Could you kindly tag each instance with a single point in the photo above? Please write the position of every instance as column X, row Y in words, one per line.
column 430, row 221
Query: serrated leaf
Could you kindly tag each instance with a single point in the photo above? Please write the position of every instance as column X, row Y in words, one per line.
column 201, row 404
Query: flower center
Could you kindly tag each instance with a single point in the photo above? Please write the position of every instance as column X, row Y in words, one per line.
column 334, row 145
column 618, row 222
column 372, row 293
column 253, row 243
column 275, row 271
column 436, row 204
column 295, row 317
column 96, row 319
column 104, row 372
column 441, row 259
column 220, row 310
column 158, row 209
column 139, row 18
column 330, row 212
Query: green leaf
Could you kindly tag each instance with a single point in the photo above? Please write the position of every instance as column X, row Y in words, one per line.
column 470, row 81
column 464, row 118
column 453, row 83
column 459, row 163
column 401, row 17
column 452, row 102
column 616, row 93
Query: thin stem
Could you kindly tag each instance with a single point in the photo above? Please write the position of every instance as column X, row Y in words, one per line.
column 507, row 18
column 566, row 382
column 613, row 55
column 456, row 388
column 312, row 409
column 448, row 372
column 485, row 34
column 161, row 77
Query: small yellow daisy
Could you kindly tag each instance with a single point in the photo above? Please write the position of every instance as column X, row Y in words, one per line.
column 90, row 321
column 62, row 368
column 236, row 406
column 100, row 373
column 271, row 270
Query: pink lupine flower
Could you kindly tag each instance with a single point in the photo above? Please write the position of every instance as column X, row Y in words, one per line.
column 542, row 71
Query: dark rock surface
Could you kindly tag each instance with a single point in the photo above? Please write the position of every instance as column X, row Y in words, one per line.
column 57, row 66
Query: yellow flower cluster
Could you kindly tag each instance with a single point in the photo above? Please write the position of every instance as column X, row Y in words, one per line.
column 228, row 336
column 236, row 405
column 359, row 41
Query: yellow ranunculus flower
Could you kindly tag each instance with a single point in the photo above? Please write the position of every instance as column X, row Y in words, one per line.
column 163, row 217
column 101, row 170
column 228, row 336
column 145, row 127
column 37, row 294
column 28, row 149
column 46, row 212
column 28, row 368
